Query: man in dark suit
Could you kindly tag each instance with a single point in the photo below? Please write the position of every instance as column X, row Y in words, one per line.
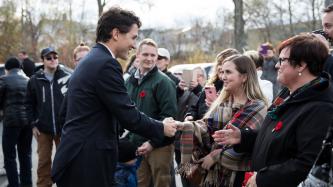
column 97, row 103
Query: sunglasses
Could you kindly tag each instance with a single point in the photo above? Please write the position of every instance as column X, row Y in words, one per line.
column 161, row 57
column 50, row 58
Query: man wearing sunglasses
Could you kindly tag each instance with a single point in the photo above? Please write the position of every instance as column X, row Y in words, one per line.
column 46, row 89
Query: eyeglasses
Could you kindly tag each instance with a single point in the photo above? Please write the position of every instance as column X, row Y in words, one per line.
column 50, row 58
column 283, row 60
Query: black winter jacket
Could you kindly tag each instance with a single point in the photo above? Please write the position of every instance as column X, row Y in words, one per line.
column 44, row 99
column 12, row 98
column 283, row 157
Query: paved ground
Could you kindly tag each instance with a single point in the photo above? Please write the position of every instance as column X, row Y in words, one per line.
column 3, row 179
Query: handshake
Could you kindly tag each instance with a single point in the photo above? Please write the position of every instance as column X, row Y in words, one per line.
column 170, row 126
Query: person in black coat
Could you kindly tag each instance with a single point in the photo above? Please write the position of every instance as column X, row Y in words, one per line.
column 27, row 64
column 286, row 146
column 45, row 93
column 321, row 172
column 97, row 103
column 16, row 129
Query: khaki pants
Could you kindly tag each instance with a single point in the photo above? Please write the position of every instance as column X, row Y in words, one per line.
column 156, row 167
column 44, row 150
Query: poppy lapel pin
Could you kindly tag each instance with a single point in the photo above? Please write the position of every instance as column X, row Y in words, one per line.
column 142, row 94
column 278, row 127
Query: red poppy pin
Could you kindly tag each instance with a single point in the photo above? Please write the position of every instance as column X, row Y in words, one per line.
column 277, row 127
column 142, row 94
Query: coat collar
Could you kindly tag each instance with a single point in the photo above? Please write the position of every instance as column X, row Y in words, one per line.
column 58, row 73
column 149, row 74
column 317, row 90
column 105, row 49
column 14, row 71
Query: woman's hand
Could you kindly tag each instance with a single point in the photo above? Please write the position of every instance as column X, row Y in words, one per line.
column 252, row 181
column 182, row 85
column 188, row 118
column 180, row 125
column 229, row 136
column 207, row 162
column 193, row 84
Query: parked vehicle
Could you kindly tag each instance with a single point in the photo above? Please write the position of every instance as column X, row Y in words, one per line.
column 178, row 69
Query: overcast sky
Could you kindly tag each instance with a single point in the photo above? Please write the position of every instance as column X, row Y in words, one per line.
column 163, row 13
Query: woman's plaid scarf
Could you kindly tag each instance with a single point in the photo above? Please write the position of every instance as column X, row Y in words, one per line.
column 195, row 141
column 284, row 96
column 194, row 145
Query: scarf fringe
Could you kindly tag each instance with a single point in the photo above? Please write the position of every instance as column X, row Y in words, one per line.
column 185, row 170
column 213, row 178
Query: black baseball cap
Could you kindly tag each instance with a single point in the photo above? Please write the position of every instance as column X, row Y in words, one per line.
column 47, row 51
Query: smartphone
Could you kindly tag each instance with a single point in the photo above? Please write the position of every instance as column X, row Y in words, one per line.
column 187, row 77
column 263, row 49
column 210, row 92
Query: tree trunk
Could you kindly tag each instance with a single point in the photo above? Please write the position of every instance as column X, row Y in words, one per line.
column 239, row 34
column 313, row 9
column 328, row 2
column 291, row 27
column 101, row 5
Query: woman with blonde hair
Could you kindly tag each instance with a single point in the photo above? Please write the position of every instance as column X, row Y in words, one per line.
column 79, row 52
column 198, row 110
column 240, row 103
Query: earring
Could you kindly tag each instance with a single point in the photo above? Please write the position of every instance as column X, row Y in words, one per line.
column 299, row 73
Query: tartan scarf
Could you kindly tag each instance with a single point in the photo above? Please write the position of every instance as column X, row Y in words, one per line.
column 281, row 99
column 195, row 144
column 222, row 115
column 250, row 115
column 195, row 141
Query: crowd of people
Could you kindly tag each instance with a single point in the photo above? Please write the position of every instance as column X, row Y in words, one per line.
column 260, row 119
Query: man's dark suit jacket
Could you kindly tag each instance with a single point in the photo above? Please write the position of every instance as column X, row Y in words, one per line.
column 97, row 103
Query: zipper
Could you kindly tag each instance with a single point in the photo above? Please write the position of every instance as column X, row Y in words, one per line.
column 43, row 94
column 52, row 103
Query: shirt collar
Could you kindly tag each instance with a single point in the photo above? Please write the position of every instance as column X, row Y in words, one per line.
column 259, row 73
column 138, row 75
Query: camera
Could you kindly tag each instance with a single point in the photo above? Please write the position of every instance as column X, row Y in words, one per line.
column 325, row 35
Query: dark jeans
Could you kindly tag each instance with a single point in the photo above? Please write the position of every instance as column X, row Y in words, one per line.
column 20, row 137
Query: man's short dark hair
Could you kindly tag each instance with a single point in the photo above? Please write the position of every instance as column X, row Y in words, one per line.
column 328, row 9
column 118, row 18
column 23, row 52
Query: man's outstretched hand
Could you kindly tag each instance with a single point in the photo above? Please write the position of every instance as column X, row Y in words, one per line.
column 170, row 127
